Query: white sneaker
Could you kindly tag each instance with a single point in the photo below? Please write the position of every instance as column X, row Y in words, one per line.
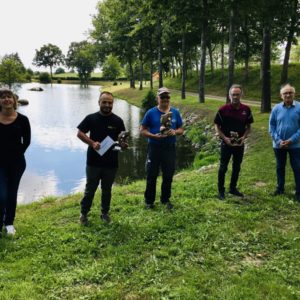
column 10, row 229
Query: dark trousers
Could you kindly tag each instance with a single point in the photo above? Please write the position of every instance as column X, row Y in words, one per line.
column 160, row 157
column 237, row 153
column 10, row 177
column 93, row 177
column 281, row 156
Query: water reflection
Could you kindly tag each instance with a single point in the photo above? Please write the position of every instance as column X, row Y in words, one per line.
column 56, row 158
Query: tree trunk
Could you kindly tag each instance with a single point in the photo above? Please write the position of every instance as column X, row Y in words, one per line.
column 210, row 51
column 222, row 53
column 203, row 59
column 160, row 66
column 183, row 71
column 51, row 74
column 231, row 53
column 284, row 71
column 247, row 50
column 266, row 70
column 141, row 67
column 131, row 75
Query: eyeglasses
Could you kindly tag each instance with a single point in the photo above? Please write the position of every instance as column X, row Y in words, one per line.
column 235, row 95
column 287, row 93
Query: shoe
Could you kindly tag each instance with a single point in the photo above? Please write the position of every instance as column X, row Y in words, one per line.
column 235, row 192
column 277, row 193
column 83, row 219
column 149, row 206
column 105, row 218
column 221, row 196
column 10, row 230
column 169, row 205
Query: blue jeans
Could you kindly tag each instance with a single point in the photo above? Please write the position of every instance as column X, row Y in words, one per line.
column 10, row 177
column 93, row 177
column 160, row 157
column 281, row 156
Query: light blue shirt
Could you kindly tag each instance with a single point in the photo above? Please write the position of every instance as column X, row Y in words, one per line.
column 284, row 124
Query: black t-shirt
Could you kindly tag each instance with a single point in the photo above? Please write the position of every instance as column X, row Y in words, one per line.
column 231, row 119
column 100, row 127
column 15, row 139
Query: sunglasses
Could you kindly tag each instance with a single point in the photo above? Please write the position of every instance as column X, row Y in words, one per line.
column 166, row 96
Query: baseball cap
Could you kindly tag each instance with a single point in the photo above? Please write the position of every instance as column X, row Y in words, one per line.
column 162, row 90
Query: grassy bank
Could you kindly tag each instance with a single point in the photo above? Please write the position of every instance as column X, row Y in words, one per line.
column 204, row 249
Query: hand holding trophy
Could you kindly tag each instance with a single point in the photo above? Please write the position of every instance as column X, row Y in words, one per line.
column 234, row 138
column 122, row 142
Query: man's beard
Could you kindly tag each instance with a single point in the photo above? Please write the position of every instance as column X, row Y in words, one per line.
column 105, row 111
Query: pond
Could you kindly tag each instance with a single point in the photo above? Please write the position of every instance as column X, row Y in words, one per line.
column 56, row 157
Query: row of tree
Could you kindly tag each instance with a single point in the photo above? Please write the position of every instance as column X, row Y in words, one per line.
column 167, row 35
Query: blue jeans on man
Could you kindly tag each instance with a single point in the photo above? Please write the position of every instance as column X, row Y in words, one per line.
column 281, row 157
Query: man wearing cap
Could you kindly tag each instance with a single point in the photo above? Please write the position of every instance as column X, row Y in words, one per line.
column 232, row 124
column 284, row 127
column 161, row 148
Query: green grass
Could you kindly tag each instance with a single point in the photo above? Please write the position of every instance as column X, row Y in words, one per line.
column 205, row 249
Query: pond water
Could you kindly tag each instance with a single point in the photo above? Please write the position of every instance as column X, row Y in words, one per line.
column 56, row 157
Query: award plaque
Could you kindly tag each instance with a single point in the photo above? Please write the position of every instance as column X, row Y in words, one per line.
column 234, row 138
column 122, row 139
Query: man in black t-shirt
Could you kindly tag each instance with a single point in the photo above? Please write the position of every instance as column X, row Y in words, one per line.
column 100, row 167
column 232, row 124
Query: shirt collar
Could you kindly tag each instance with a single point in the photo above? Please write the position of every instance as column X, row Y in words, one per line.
column 293, row 104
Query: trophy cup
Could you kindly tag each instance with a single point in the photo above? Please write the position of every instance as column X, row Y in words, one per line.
column 166, row 122
column 234, row 138
column 122, row 139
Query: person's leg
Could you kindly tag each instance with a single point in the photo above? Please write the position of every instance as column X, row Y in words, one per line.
column 92, row 182
column 14, row 174
column 168, row 157
column 3, row 195
column 281, row 155
column 152, row 167
column 237, row 158
column 295, row 164
column 224, row 160
column 107, row 180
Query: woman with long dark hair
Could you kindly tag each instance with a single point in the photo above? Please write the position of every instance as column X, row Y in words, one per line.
column 14, row 140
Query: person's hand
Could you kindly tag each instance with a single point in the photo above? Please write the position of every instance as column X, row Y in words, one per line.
column 124, row 145
column 160, row 136
column 227, row 141
column 171, row 132
column 96, row 145
column 285, row 144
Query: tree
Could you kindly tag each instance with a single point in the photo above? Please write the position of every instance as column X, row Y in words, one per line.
column 81, row 56
column 48, row 56
column 12, row 70
column 59, row 71
column 111, row 68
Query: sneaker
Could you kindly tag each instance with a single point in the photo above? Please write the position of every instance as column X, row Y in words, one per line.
column 235, row 192
column 10, row 230
column 221, row 196
column 168, row 205
column 149, row 206
column 83, row 219
column 105, row 218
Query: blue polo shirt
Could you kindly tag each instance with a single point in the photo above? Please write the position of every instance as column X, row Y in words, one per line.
column 151, row 120
column 284, row 124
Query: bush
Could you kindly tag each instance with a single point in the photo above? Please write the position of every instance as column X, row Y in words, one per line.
column 59, row 71
column 149, row 101
column 44, row 77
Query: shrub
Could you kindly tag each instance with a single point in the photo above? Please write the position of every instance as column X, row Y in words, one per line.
column 44, row 77
column 149, row 101
column 59, row 71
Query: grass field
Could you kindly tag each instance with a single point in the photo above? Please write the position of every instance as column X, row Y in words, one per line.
column 205, row 249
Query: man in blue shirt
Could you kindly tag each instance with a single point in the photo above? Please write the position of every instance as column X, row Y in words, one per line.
column 161, row 148
column 284, row 127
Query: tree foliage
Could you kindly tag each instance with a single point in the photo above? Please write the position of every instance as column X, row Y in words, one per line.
column 48, row 56
column 111, row 68
column 81, row 56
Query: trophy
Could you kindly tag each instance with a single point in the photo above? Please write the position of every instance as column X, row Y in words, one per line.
column 234, row 138
column 122, row 139
column 166, row 122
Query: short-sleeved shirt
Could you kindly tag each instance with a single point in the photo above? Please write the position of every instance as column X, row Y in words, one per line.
column 151, row 120
column 99, row 127
column 232, row 119
column 15, row 138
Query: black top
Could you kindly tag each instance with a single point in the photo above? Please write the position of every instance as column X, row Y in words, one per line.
column 100, row 127
column 232, row 119
column 15, row 139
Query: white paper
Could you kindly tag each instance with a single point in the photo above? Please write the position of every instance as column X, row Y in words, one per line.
column 106, row 144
